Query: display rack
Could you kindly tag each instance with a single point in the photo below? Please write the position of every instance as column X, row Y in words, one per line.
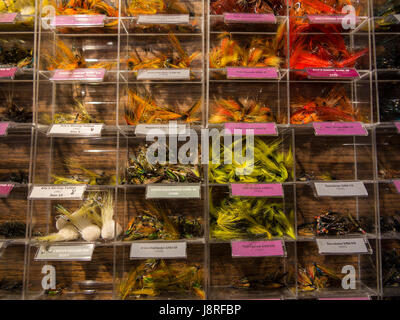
column 168, row 61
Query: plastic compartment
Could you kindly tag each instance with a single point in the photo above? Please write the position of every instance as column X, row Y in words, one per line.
column 67, row 157
column 222, row 202
column 309, row 206
column 384, row 19
column 255, row 278
column 74, row 280
column 333, row 158
column 364, row 266
column 387, row 142
column 12, row 269
column 388, row 197
column 192, row 268
column 180, row 17
column 185, row 215
column 222, row 173
column 390, row 262
column 183, row 104
column 137, row 172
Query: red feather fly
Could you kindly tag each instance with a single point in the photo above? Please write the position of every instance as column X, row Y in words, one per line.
column 325, row 47
column 301, row 8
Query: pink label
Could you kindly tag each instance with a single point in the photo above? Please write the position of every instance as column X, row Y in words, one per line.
column 346, row 298
column 397, row 124
column 8, row 17
column 257, row 190
column 79, row 20
column 8, row 72
column 319, row 19
column 252, row 73
column 267, row 128
column 249, row 18
column 339, row 129
column 79, row 74
column 3, row 128
column 323, row 73
column 257, row 248
column 5, row 189
column 397, row 185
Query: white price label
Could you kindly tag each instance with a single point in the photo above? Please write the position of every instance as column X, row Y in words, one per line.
column 343, row 246
column 163, row 74
column 397, row 16
column 162, row 250
column 76, row 129
column 172, row 192
column 2, row 245
column 341, row 189
column 163, row 19
column 144, row 129
column 72, row 252
column 70, row 192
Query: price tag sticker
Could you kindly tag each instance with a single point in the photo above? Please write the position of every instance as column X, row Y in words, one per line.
column 397, row 185
column 339, row 129
column 4, row 128
column 70, row 192
column 163, row 19
column 328, row 73
column 258, row 248
column 237, row 128
column 171, row 129
column 70, row 252
column 249, row 18
column 257, row 190
column 163, row 74
column 252, row 73
column 343, row 246
column 172, row 192
column 78, row 20
column 341, row 189
column 5, row 189
column 346, row 298
column 81, row 74
column 8, row 18
column 397, row 124
column 76, row 129
column 8, row 72
column 155, row 249
column 397, row 16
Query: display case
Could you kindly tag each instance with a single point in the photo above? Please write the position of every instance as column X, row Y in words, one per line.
column 305, row 206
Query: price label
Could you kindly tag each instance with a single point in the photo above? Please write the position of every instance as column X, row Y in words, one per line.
column 341, row 189
column 81, row 74
column 252, row 73
column 397, row 124
column 339, row 129
column 258, row 248
column 2, row 245
column 163, row 19
column 162, row 250
column 346, row 298
column 5, row 189
column 4, row 128
column 397, row 16
column 343, row 246
column 171, row 129
column 328, row 73
column 266, row 128
column 78, row 20
column 249, row 18
column 71, row 252
column 163, row 74
column 257, row 190
column 8, row 72
column 322, row 19
column 71, row 192
column 75, row 129
column 172, row 192
column 397, row 185
column 8, row 18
